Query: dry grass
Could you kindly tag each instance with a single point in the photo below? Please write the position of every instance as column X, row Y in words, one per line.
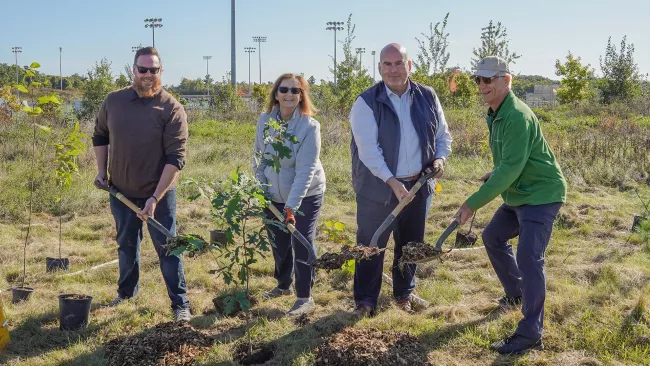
column 597, row 279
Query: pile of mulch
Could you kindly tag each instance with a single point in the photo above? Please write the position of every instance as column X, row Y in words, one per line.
column 167, row 344
column 415, row 251
column 331, row 261
column 370, row 347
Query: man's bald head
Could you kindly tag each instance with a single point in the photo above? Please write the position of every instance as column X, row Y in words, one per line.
column 394, row 48
column 394, row 67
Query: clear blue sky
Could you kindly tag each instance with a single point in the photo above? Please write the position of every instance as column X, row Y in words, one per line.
column 89, row 30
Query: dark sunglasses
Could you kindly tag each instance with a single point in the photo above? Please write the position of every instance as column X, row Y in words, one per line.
column 486, row 81
column 143, row 70
column 285, row 89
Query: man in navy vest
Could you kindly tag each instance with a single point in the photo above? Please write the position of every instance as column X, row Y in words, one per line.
column 398, row 132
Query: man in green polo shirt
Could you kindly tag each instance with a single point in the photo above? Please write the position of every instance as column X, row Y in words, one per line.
column 533, row 188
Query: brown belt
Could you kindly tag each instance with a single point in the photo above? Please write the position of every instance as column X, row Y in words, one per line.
column 409, row 179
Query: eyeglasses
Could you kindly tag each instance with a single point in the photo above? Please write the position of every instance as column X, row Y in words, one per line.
column 143, row 70
column 285, row 89
column 486, row 81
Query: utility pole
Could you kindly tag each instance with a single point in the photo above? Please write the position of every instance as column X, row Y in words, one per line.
column 259, row 41
column 60, row 69
column 360, row 52
column 207, row 73
column 335, row 26
column 233, row 50
column 249, row 50
column 16, row 50
column 153, row 23
column 374, row 66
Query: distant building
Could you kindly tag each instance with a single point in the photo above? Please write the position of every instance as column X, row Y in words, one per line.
column 543, row 95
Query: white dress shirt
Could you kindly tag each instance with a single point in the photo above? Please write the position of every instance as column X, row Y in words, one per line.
column 409, row 162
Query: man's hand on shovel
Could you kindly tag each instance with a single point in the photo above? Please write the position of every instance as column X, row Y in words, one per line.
column 149, row 209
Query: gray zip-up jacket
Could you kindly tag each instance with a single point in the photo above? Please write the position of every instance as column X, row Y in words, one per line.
column 302, row 174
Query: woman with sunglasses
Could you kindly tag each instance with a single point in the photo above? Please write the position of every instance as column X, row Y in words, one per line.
column 297, row 186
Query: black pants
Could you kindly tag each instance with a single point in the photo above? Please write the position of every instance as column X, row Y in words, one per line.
column 285, row 245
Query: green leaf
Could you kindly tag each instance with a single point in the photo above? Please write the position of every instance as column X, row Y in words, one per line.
column 243, row 301
column 36, row 84
column 34, row 65
column 329, row 223
column 48, row 99
column 30, row 73
column 21, row 88
column 44, row 128
column 229, row 304
column 339, row 226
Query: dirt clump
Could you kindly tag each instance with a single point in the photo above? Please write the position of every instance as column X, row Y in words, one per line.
column 331, row 261
column 261, row 352
column 415, row 251
column 371, row 347
column 166, row 344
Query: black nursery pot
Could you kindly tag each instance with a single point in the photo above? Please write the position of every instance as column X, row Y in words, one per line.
column 218, row 237
column 74, row 311
column 56, row 264
column 19, row 294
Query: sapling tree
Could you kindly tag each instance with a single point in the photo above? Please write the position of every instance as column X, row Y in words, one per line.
column 27, row 85
column 65, row 159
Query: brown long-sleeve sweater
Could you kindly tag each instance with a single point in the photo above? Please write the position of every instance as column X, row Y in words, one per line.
column 143, row 134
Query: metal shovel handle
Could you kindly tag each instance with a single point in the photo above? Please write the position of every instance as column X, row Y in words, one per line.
column 150, row 220
column 400, row 206
column 297, row 235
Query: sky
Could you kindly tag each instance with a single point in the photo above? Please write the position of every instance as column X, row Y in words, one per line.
column 297, row 41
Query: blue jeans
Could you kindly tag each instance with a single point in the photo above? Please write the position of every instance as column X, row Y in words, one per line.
column 408, row 226
column 522, row 275
column 129, row 236
column 285, row 245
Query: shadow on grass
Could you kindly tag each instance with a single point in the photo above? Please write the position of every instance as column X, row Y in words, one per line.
column 40, row 334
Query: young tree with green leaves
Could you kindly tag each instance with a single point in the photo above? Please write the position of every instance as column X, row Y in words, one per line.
column 494, row 42
column 100, row 83
column 575, row 79
column 433, row 56
column 621, row 78
column 351, row 77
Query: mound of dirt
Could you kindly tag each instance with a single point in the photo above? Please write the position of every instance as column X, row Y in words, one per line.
column 464, row 240
column 364, row 347
column 331, row 261
column 415, row 251
column 168, row 344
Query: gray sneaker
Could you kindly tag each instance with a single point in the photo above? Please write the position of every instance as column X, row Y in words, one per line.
column 118, row 300
column 182, row 315
column 277, row 292
column 301, row 307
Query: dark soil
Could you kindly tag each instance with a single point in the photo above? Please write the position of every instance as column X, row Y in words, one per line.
column 184, row 241
column 262, row 352
column 465, row 239
column 76, row 297
column 415, row 251
column 367, row 347
column 167, row 344
column 331, row 261
column 302, row 320
column 220, row 304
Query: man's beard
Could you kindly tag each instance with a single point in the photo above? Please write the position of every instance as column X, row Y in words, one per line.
column 145, row 91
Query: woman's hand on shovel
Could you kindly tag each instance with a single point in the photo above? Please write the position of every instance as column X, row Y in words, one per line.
column 289, row 217
column 149, row 209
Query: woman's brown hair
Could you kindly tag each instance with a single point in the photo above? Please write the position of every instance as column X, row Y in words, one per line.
column 306, row 106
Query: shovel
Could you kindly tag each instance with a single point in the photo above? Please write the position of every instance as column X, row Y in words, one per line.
column 150, row 220
column 297, row 235
column 405, row 201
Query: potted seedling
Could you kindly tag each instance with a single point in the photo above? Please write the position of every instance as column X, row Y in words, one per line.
column 28, row 84
column 65, row 159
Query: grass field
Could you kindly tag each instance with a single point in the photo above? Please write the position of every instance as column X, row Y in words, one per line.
column 598, row 274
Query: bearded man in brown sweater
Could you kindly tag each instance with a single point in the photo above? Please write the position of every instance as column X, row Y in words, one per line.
column 140, row 140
